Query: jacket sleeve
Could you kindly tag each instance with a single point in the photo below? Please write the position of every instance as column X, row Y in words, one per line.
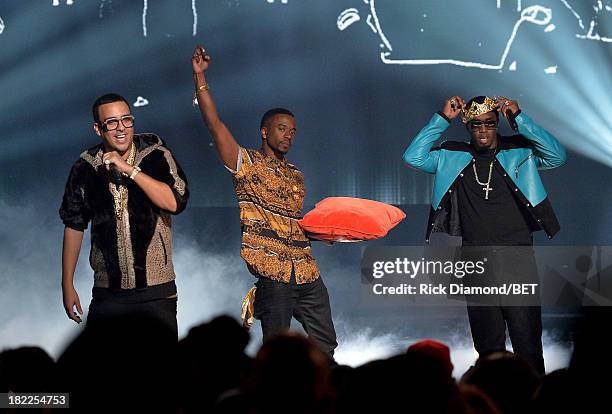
column 419, row 153
column 74, row 210
column 548, row 152
column 162, row 166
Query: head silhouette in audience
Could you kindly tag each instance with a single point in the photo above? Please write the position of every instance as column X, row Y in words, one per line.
column 290, row 375
column 212, row 361
column 126, row 361
column 26, row 369
column 509, row 380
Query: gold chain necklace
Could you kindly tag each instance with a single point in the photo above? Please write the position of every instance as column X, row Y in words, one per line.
column 119, row 192
column 486, row 187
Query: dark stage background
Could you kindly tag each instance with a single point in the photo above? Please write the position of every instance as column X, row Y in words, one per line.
column 362, row 78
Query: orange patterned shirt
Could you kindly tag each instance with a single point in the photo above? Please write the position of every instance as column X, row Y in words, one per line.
column 271, row 196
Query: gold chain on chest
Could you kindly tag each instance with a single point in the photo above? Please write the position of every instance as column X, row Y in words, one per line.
column 120, row 192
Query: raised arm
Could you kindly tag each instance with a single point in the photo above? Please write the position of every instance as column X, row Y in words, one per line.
column 227, row 147
column 548, row 151
column 419, row 154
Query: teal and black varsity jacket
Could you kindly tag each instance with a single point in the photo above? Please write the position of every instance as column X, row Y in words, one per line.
column 518, row 158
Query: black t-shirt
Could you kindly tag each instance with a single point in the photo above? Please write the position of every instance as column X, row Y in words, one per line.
column 497, row 220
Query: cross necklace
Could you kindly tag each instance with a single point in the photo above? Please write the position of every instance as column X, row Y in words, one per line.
column 486, row 185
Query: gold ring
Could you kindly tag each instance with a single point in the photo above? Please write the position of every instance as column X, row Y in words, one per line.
column 107, row 162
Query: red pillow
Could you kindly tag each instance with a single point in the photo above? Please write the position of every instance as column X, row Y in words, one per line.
column 350, row 219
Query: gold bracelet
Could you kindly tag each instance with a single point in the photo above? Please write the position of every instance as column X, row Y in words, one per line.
column 135, row 171
column 204, row 87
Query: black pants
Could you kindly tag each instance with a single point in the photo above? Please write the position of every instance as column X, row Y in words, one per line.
column 488, row 325
column 162, row 310
column 488, row 320
column 276, row 302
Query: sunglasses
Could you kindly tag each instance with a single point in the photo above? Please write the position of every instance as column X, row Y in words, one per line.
column 476, row 125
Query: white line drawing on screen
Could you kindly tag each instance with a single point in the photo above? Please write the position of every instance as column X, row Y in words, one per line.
column 551, row 70
column 68, row 3
column 535, row 14
column 140, row 101
column 592, row 34
column 195, row 17
column 103, row 5
column 282, row 1
column 2, row 26
column 347, row 18
column 519, row 6
column 145, row 7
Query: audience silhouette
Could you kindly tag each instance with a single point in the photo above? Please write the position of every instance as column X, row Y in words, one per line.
column 133, row 363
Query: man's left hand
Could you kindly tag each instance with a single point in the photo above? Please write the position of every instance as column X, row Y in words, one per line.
column 115, row 159
column 505, row 104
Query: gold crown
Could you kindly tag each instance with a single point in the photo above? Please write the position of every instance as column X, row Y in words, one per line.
column 476, row 109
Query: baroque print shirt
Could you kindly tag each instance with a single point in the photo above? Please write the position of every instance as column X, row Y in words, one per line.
column 271, row 196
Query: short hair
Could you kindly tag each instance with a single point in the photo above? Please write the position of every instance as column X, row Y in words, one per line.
column 106, row 99
column 480, row 100
column 274, row 111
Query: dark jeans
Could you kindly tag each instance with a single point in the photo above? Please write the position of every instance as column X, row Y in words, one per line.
column 162, row 310
column 488, row 320
column 276, row 302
